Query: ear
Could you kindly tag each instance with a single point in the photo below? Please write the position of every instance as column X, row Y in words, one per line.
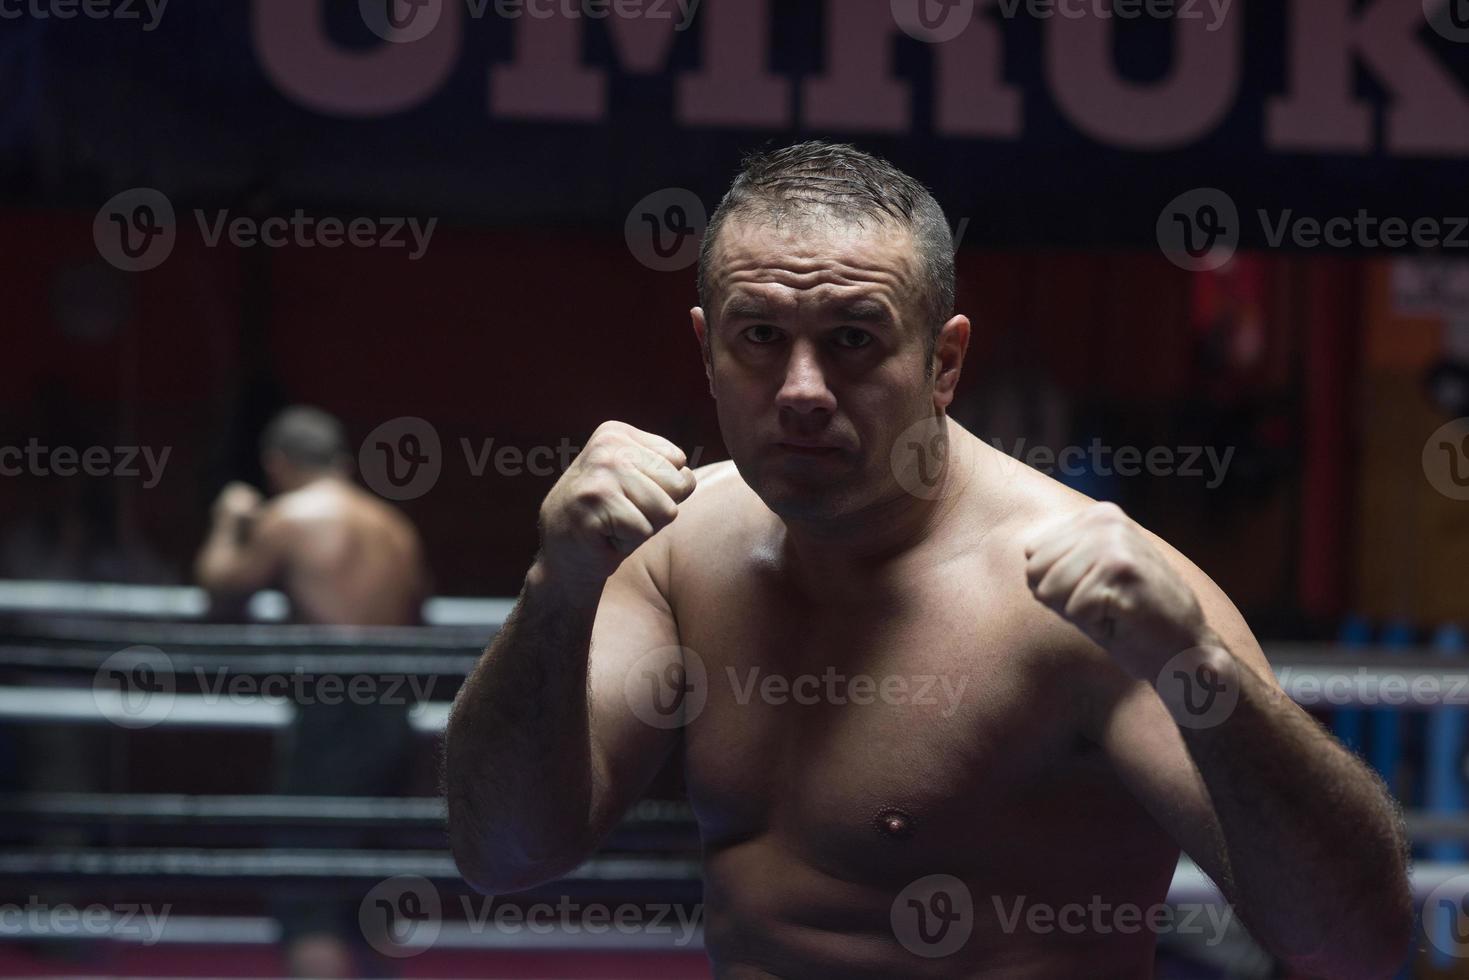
column 948, row 359
column 701, row 331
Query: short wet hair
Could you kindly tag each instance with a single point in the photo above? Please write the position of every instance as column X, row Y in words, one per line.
column 841, row 180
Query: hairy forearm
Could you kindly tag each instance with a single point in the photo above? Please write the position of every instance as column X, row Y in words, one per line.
column 1314, row 844
column 517, row 758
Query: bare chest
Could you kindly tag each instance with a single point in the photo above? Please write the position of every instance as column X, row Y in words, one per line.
column 892, row 729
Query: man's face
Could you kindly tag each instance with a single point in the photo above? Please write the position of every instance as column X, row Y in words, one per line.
column 817, row 342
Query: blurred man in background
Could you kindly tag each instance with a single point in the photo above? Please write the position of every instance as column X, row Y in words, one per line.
column 342, row 556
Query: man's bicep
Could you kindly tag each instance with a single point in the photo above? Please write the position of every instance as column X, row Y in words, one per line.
column 635, row 675
column 1146, row 750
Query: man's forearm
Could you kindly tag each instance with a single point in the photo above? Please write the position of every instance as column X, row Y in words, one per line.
column 220, row 552
column 517, row 754
column 1303, row 820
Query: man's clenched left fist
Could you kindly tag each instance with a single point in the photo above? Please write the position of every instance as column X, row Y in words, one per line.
column 1099, row 571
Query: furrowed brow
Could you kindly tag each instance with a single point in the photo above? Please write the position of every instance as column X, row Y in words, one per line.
column 742, row 308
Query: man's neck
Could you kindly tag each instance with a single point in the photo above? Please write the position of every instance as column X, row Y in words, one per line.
column 859, row 549
column 319, row 478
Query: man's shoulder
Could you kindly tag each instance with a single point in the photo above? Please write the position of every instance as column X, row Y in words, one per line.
column 334, row 508
column 709, row 522
column 1042, row 501
column 721, row 503
column 1024, row 498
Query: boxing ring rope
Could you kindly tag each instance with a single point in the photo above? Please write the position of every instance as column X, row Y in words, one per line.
column 187, row 602
column 180, row 930
column 58, row 809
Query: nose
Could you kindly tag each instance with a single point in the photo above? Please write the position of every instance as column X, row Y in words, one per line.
column 804, row 389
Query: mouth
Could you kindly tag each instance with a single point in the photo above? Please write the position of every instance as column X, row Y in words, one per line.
column 805, row 450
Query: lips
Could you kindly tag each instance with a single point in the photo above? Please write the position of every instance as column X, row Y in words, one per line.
column 808, row 449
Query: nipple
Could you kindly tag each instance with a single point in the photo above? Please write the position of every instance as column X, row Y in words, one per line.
column 894, row 823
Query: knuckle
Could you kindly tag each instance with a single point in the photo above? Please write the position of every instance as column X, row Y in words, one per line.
column 629, row 456
column 609, row 427
column 590, row 493
column 602, row 455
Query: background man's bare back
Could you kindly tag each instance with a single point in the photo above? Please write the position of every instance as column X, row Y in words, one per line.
column 349, row 557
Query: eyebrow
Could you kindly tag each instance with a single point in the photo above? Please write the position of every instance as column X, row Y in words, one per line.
column 858, row 311
column 746, row 309
column 862, row 311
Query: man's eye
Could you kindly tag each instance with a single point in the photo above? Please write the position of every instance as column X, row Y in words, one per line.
column 762, row 333
column 852, row 338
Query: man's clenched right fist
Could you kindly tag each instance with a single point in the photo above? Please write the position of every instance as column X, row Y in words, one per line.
column 622, row 489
